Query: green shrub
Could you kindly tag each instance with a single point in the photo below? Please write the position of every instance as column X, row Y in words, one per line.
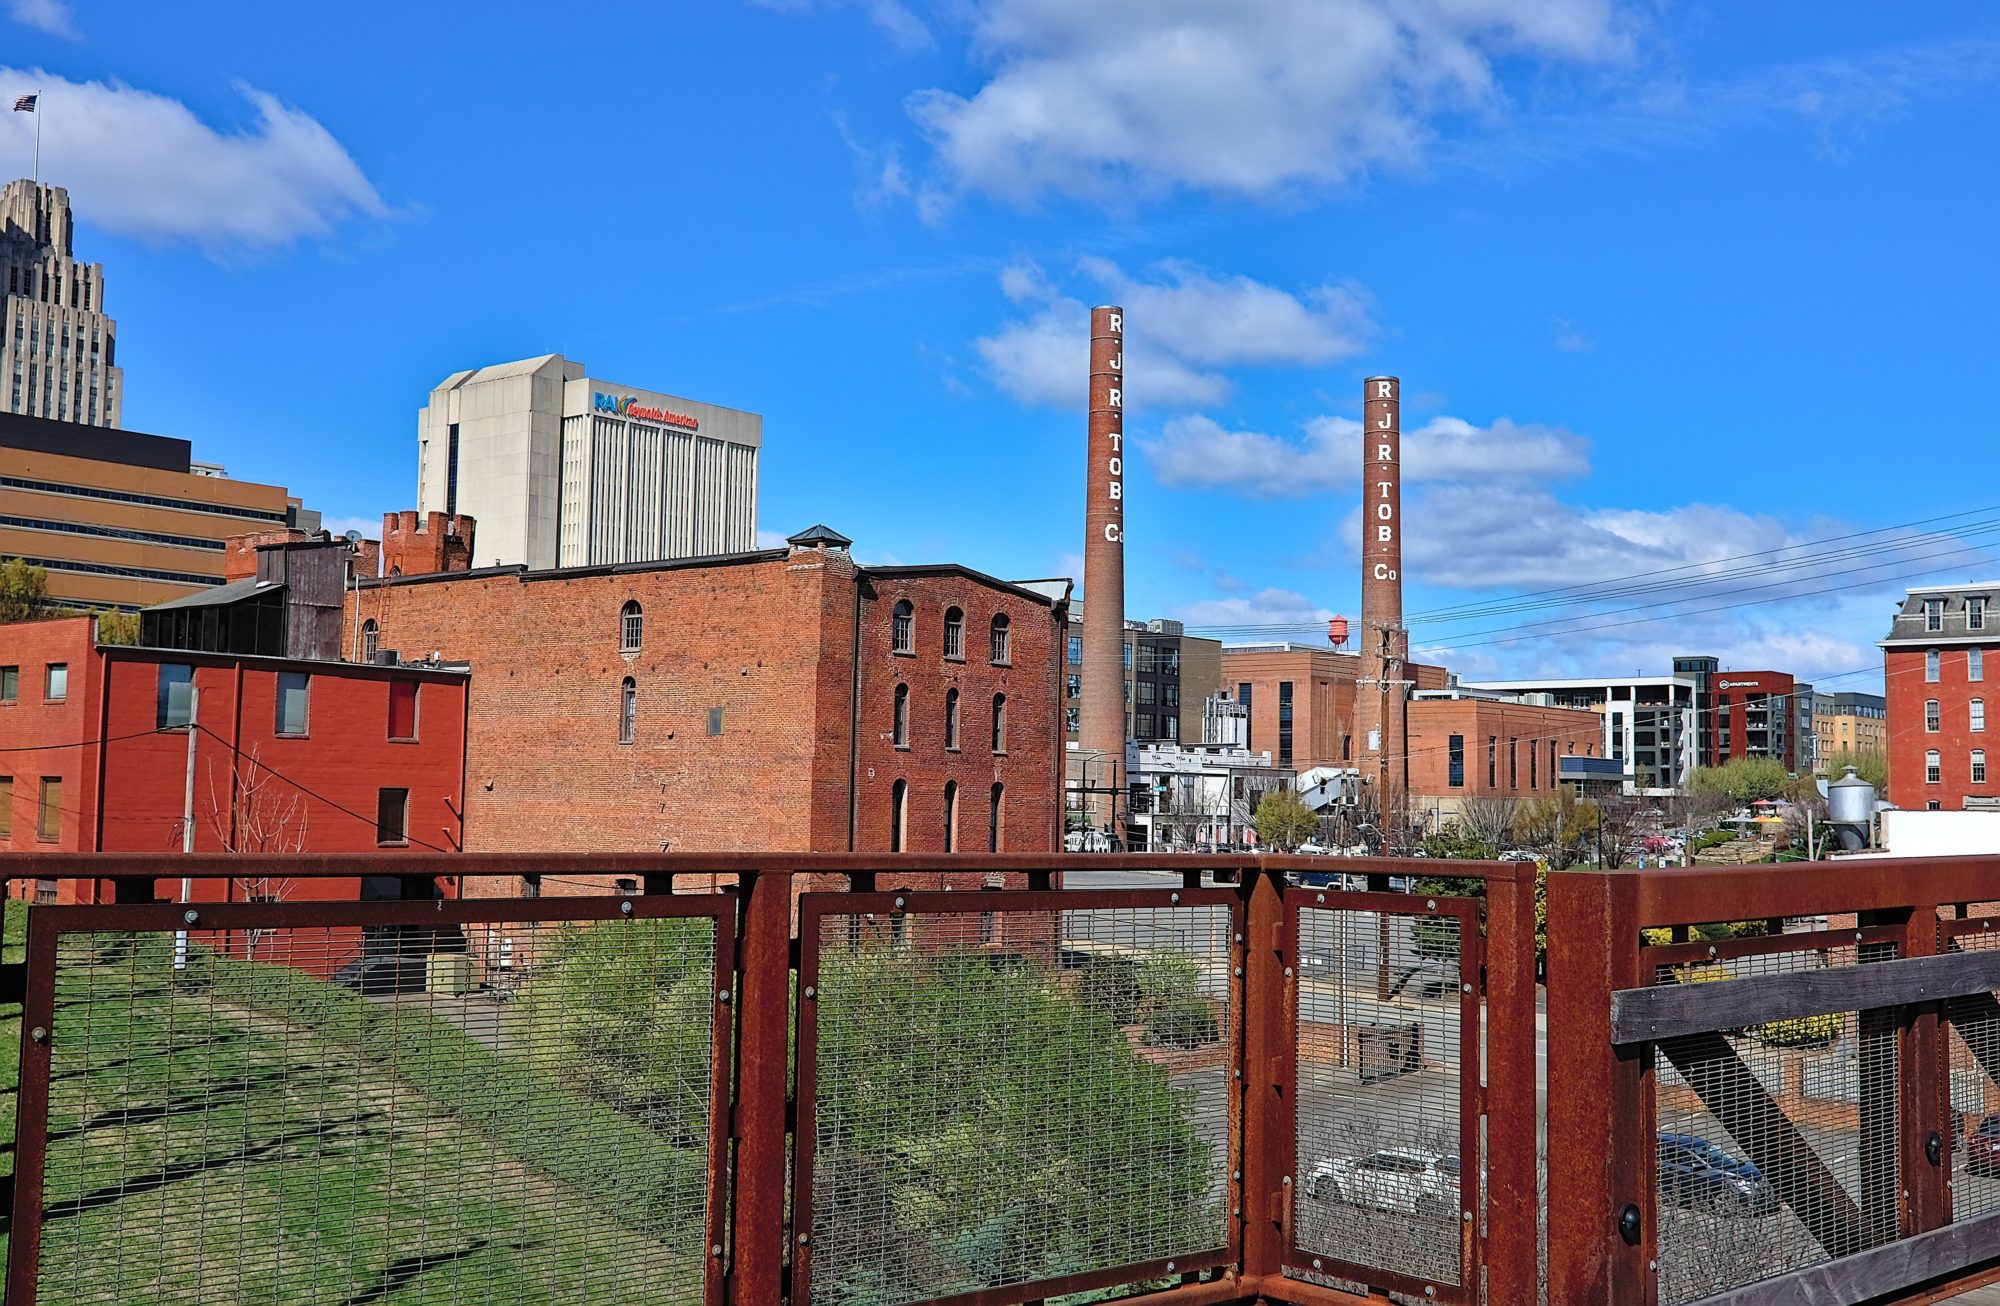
column 1110, row 986
column 1187, row 1023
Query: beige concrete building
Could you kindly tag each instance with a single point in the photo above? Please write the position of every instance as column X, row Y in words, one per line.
column 1850, row 724
column 563, row 470
column 58, row 351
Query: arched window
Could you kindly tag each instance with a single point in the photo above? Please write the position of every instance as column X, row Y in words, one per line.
column 903, row 628
column 899, row 812
column 371, row 638
column 1933, row 768
column 1931, row 667
column 1979, row 766
column 951, row 721
column 999, row 723
column 993, row 819
column 954, row 634
column 901, row 737
column 951, row 814
column 628, row 710
column 1931, row 716
column 631, row 627
column 1003, row 648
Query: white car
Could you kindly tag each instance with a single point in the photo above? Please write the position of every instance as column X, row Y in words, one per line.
column 1403, row 1180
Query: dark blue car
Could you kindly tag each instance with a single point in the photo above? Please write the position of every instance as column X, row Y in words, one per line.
column 1696, row 1173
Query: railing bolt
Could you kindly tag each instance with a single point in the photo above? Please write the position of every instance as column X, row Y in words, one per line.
column 625, row 907
column 1239, row 938
column 190, row 916
column 1321, row 898
column 1465, row 1216
column 805, row 1240
column 1288, row 972
column 722, row 995
column 1170, row 1267
column 715, row 1250
column 1654, row 1266
column 811, row 992
column 1318, row 1264
column 1431, row 904
column 1236, row 1174
column 1466, row 986
column 1430, row 1291
column 39, row 1034
column 1237, row 971
column 1711, row 949
column 899, row 902
column 1173, row 897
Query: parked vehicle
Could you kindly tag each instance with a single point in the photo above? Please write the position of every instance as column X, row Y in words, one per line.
column 1406, row 1181
column 1517, row 855
column 1696, row 1173
column 1982, row 1148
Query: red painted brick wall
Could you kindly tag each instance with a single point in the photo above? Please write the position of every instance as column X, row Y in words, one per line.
column 770, row 642
column 36, row 734
column 1907, row 691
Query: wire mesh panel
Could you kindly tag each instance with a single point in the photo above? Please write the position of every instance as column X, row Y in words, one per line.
column 346, row 1103
column 1973, row 1062
column 1022, row 1091
column 1387, row 1179
column 1776, row 1144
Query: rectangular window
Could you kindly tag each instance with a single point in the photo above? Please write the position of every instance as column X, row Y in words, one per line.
column 55, row 685
column 1975, row 614
column 1933, row 768
column 1978, row 706
column 175, row 708
column 1076, row 650
column 293, row 687
column 451, row 469
column 48, row 819
column 392, row 816
column 6, row 807
column 1975, row 664
column 1979, row 766
column 1457, row 777
column 1284, row 723
column 1534, row 771
column 402, row 709
column 1249, row 718
column 1146, row 727
column 1513, row 762
column 715, row 721
column 1073, row 684
column 1932, row 716
column 1933, row 614
column 1932, row 666
column 10, row 684
column 1492, row 762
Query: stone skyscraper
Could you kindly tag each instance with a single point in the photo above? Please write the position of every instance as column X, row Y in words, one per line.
column 57, row 349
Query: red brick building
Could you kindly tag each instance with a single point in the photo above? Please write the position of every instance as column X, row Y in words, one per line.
column 1934, row 665
column 1301, row 700
column 293, row 755
column 1753, row 714
column 781, row 700
column 1469, row 747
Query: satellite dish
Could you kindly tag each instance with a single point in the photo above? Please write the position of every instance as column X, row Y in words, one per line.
column 352, row 537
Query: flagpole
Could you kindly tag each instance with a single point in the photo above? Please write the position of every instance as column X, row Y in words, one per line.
column 38, row 138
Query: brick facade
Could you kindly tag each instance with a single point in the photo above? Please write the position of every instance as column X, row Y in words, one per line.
column 763, row 688
column 1937, row 651
column 1525, row 740
column 1323, row 731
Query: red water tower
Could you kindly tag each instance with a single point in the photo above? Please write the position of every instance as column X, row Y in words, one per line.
column 1336, row 632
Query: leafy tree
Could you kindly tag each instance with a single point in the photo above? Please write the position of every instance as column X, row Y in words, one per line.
column 1744, row 779
column 1868, row 763
column 1556, row 827
column 1621, row 821
column 1283, row 821
column 115, row 627
column 1455, row 841
column 24, row 591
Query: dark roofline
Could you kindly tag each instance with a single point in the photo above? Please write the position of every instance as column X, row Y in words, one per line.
column 959, row 569
column 105, row 444
column 579, row 573
column 315, row 666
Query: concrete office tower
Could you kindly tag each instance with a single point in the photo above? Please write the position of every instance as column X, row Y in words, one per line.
column 562, row 470
column 57, row 349
column 1101, row 733
column 1381, row 693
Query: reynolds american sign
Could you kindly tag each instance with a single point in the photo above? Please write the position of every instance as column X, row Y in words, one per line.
column 629, row 406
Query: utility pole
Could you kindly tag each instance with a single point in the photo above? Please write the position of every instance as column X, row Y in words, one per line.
column 187, row 818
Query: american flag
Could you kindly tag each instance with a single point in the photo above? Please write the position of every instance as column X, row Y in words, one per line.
column 25, row 103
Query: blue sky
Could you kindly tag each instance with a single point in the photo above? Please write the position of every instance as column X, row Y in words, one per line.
column 1666, row 283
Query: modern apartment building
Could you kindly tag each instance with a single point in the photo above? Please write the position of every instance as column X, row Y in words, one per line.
column 1934, row 666
column 58, row 351
column 1851, row 724
column 1649, row 722
column 563, row 470
column 1169, row 676
column 120, row 519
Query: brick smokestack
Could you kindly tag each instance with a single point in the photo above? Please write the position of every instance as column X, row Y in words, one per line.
column 1380, row 692
column 1101, row 723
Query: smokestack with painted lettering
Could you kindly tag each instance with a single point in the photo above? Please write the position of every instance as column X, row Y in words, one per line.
column 1101, row 723
column 1381, row 690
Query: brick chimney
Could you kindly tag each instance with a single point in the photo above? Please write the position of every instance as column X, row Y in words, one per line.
column 440, row 542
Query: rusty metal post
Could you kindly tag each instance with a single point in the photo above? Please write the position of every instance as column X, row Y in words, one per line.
column 1603, row 1234
column 1270, row 1082
column 1923, row 1091
column 758, row 1129
column 1513, row 1185
column 31, row 1115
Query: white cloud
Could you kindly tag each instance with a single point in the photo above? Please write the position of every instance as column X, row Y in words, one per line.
column 1196, row 451
column 1182, row 325
column 51, row 16
column 143, row 164
column 1250, row 97
column 1267, row 607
